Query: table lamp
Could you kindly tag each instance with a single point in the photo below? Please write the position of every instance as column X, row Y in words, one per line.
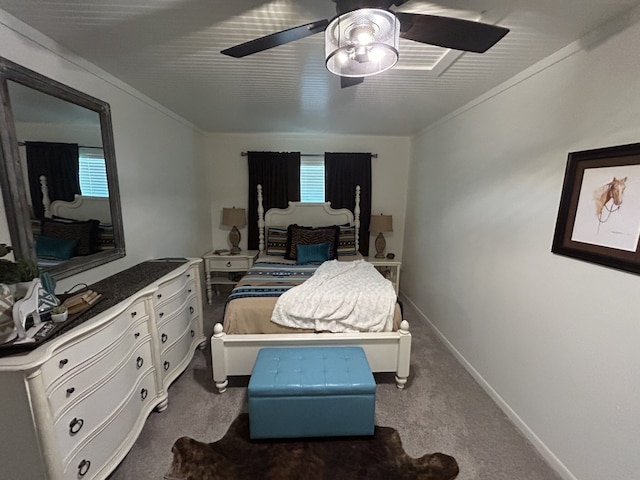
column 234, row 218
column 380, row 223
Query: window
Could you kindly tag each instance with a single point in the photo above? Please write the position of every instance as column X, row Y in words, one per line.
column 312, row 179
column 93, row 173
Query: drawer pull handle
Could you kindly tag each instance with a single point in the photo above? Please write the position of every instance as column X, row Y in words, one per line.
column 163, row 338
column 159, row 295
column 193, row 333
column 191, row 310
column 189, row 291
column 143, row 393
column 166, row 365
column 75, row 426
column 133, row 314
column 63, row 362
column 136, row 335
column 161, row 314
column 228, row 264
column 83, row 468
column 70, row 390
column 139, row 362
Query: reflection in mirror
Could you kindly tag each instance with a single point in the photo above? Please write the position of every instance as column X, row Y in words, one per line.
column 60, row 189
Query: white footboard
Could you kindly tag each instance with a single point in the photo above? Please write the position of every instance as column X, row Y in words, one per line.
column 236, row 354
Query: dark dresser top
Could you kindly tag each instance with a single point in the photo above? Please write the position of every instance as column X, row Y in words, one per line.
column 114, row 289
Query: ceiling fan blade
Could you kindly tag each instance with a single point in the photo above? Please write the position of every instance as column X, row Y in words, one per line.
column 450, row 32
column 350, row 81
column 276, row 39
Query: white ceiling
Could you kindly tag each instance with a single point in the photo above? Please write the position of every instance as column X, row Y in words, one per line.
column 169, row 50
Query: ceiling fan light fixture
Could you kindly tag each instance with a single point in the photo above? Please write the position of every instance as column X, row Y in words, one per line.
column 362, row 43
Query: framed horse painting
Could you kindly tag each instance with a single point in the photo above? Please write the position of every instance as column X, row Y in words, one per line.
column 599, row 214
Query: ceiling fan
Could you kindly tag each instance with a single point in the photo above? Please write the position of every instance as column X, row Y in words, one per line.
column 362, row 39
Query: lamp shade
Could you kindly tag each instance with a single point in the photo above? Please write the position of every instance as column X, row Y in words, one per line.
column 233, row 217
column 362, row 42
column 381, row 223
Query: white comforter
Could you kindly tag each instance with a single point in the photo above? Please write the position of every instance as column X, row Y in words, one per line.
column 339, row 297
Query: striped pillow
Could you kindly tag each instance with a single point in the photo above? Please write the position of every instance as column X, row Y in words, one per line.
column 309, row 236
column 276, row 241
column 347, row 240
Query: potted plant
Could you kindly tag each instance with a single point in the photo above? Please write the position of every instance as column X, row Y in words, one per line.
column 59, row 314
column 19, row 271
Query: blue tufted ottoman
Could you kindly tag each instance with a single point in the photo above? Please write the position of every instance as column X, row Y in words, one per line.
column 311, row 392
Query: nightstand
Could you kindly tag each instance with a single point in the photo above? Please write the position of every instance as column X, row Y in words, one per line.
column 390, row 269
column 226, row 269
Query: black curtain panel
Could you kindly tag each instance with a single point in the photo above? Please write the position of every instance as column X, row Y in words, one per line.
column 279, row 175
column 59, row 162
column 343, row 172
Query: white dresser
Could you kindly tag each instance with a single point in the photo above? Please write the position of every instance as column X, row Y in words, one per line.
column 72, row 408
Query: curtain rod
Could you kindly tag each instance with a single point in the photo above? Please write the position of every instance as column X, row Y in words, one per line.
column 22, row 144
column 373, row 155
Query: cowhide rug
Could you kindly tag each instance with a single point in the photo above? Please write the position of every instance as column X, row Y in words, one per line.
column 236, row 457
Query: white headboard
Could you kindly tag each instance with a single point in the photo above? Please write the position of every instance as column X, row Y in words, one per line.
column 307, row 215
column 81, row 208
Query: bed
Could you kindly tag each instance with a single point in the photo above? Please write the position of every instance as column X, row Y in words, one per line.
column 77, row 228
column 246, row 327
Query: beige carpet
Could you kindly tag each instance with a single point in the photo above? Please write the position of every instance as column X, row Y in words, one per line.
column 442, row 409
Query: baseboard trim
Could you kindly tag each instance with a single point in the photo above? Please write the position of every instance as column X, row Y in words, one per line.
column 553, row 461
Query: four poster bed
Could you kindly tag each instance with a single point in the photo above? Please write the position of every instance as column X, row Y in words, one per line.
column 69, row 229
column 374, row 322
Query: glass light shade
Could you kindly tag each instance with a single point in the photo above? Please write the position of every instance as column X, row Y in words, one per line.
column 362, row 43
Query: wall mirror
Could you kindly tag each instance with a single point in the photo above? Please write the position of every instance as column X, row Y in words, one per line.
column 58, row 174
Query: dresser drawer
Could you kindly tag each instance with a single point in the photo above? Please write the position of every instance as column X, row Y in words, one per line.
column 87, row 461
column 175, row 354
column 168, row 309
column 230, row 263
column 90, row 410
column 172, row 287
column 80, row 349
column 172, row 329
column 73, row 385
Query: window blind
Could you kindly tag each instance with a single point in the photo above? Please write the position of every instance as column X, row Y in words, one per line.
column 93, row 173
column 312, row 179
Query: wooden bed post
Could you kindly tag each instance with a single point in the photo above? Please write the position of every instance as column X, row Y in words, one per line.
column 260, row 221
column 46, row 201
column 356, row 217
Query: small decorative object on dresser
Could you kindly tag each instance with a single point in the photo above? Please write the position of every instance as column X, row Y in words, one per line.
column 380, row 223
column 218, row 266
column 234, row 218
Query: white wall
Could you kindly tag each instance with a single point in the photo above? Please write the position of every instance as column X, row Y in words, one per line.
column 553, row 339
column 160, row 156
column 228, row 173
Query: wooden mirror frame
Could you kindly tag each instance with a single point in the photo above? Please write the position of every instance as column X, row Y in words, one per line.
column 12, row 182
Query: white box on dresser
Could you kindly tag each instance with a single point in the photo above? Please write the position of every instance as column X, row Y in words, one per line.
column 73, row 407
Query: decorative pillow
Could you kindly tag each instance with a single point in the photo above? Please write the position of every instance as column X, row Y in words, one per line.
column 298, row 235
column 84, row 232
column 58, row 248
column 105, row 239
column 277, row 241
column 316, row 253
column 347, row 240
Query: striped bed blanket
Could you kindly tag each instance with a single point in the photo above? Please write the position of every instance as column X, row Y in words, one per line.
column 267, row 279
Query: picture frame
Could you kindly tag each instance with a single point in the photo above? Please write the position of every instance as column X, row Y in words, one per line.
column 599, row 213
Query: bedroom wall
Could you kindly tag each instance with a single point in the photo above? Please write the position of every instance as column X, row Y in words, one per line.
column 554, row 340
column 160, row 156
column 228, row 174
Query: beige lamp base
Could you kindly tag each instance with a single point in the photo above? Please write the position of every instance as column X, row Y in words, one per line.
column 381, row 244
column 234, row 240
